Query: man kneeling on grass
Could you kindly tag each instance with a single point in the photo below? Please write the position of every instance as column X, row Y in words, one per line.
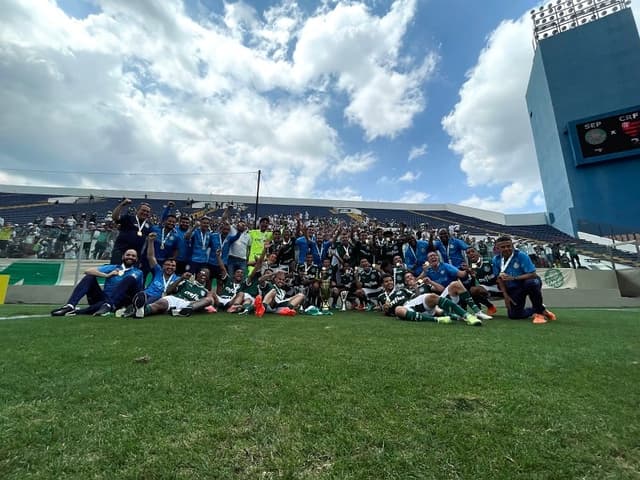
column 517, row 280
column 184, row 296
column 400, row 302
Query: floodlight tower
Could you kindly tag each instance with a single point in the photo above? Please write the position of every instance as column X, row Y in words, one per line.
column 583, row 99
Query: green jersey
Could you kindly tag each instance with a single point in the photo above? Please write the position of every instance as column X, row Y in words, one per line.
column 191, row 291
column 370, row 278
column 229, row 287
column 396, row 297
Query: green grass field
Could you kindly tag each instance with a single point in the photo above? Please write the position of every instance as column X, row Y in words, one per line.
column 348, row 396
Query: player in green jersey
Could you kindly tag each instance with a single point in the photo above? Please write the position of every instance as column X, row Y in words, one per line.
column 184, row 296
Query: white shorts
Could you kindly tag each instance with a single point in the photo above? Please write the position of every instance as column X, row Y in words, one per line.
column 225, row 300
column 419, row 304
column 445, row 293
column 176, row 302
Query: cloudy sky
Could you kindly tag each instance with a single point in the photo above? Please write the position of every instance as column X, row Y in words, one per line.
column 406, row 100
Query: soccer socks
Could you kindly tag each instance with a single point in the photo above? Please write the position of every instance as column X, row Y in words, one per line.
column 466, row 297
column 419, row 317
column 450, row 307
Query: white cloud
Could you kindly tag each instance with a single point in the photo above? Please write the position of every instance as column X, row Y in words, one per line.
column 417, row 152
column 361, row 51
column 512, row 198
column 142, row 87
column 410, row 177
column 353, row 164
column 489, row 126
column 413, row 196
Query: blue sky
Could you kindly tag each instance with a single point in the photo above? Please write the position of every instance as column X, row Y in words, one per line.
column 406, row 101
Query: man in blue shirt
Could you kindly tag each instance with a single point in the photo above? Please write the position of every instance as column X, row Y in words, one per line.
column 517, row 279
column 445, row 279
column 451, row 249
column 162, row 278
column 121, row 283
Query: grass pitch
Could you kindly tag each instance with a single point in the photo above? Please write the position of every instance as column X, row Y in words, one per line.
column 348, row 396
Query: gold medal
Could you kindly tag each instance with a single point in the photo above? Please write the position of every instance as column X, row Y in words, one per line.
column 139, row 233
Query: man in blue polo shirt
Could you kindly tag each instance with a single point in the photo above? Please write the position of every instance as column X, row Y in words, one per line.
column 452, row 250
column 121, row 283
column 517, row 279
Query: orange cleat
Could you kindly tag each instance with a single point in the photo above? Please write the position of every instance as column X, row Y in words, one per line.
column 289, row 312
column 259, row 307
column 539, row 319
column 492, row 310
column 549, row 315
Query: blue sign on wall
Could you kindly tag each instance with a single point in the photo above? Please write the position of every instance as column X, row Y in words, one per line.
column 606, row 137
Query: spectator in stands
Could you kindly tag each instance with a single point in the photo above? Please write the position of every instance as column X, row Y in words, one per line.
column 573, row 255
column 122, row 282
column 517, row 279
column 133, row 229
column 451, row 250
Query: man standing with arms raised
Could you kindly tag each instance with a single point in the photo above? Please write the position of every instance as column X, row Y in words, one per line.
column 133, row 229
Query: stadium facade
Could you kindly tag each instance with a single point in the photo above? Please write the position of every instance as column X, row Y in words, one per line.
column 583, row 99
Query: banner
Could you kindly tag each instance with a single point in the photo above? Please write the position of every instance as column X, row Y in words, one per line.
column 558, row 277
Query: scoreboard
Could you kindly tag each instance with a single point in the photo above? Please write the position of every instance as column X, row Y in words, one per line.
column 606, row 137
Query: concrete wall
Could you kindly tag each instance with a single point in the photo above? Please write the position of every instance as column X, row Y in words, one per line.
column 588, row 71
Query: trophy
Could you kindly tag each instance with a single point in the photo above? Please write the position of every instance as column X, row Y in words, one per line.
column 343, row 299
column 325, row 289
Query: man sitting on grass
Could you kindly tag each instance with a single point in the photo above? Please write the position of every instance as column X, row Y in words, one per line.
column 121, row 283
column 184, row 296
column 426, row 307
column 517, row 280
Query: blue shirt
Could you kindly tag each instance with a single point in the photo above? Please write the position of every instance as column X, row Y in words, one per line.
column 111, row 283
column 200, row 244
column 171, row 239
column 519, row 264
column 444, row 275
column 157, row 286
column 453, row 252
column 414, row 258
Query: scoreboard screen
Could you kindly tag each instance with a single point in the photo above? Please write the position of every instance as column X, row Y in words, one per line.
column 607, row 137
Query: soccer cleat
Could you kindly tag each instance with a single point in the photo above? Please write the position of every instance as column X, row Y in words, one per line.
column 139, row 301
column 538, row 319
column 127, row 312
column 103, row 311
column 210, row 309
column 186, row 311
column 66, row 311
column 444, row 320
column 258, row 305
column 549, row 315
column 492, row 310
column 483, row 316
column 289, row 312
column 472, row 320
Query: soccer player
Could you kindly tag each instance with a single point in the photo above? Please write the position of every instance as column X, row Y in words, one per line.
column 426, row 307
column 517, row 280
column 278, row 301
column 184, row 296
column 480, row 279
column 133, row 229
column 121, row 283
column 446, row 280
column 258, row 237
column 368, row 285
